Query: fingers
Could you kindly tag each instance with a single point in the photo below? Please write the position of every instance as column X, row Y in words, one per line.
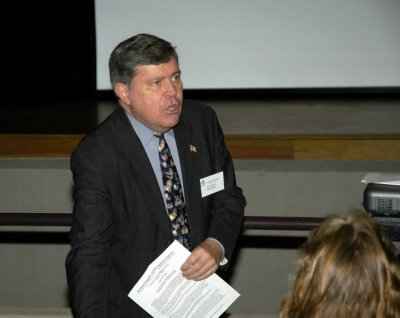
column 200, row 270
column 202, row 263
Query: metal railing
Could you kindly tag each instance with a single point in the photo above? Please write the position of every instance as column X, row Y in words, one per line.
column 250, row 222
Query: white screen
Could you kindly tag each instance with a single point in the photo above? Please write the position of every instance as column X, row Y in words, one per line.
column 232, row 44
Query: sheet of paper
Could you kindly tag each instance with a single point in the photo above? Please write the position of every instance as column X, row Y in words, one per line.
column 383, row 178
column 163, row 292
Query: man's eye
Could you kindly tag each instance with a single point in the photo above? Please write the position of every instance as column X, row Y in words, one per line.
column 176, row 78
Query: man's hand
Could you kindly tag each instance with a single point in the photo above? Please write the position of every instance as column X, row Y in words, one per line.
column 203, row 262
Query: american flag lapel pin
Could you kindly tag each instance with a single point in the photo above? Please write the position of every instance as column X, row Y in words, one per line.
column 192, row 148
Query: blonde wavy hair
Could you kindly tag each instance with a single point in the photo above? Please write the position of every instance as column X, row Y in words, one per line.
column 348, row 268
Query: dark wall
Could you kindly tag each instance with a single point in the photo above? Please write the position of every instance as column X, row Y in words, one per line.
column 48, row 49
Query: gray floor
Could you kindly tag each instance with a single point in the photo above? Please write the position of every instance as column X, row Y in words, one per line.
column 13, row 312
column 267, row 115
column 309, row 116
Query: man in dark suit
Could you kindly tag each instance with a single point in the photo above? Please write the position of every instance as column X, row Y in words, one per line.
column 121, row 219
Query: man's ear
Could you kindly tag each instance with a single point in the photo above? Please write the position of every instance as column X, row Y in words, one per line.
column 122, row 91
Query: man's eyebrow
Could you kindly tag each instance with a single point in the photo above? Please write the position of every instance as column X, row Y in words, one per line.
column 156, row 78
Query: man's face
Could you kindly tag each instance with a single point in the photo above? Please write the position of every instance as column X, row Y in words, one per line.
column 155, row 96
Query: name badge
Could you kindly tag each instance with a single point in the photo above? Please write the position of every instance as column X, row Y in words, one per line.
column 212, row 184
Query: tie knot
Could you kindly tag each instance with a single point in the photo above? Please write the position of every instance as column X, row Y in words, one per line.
column 159, row 135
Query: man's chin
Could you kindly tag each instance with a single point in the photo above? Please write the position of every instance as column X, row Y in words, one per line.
column 171, row 121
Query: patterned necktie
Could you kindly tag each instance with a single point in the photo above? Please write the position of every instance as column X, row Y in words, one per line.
column 173, row 193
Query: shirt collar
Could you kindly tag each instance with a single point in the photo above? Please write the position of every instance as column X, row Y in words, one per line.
column 144, row 133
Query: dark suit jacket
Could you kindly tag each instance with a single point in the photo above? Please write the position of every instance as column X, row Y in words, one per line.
column 120, row 224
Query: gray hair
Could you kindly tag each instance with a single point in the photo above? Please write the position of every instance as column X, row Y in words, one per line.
column 141, row 49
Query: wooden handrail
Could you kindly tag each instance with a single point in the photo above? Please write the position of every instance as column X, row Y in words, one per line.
column 250, row 222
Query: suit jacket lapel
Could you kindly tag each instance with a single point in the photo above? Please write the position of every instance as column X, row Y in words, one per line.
column 190, row 158
column 183, row 137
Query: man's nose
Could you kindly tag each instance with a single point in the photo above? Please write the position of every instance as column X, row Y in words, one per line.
column 171, row 87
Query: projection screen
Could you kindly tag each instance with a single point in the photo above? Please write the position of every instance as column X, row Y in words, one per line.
column 253, row 44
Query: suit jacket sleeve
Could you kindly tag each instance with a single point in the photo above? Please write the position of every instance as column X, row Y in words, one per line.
column 228, row 204
column 88, row 262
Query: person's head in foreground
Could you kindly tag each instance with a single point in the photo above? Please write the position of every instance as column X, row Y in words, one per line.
column 347, row 268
